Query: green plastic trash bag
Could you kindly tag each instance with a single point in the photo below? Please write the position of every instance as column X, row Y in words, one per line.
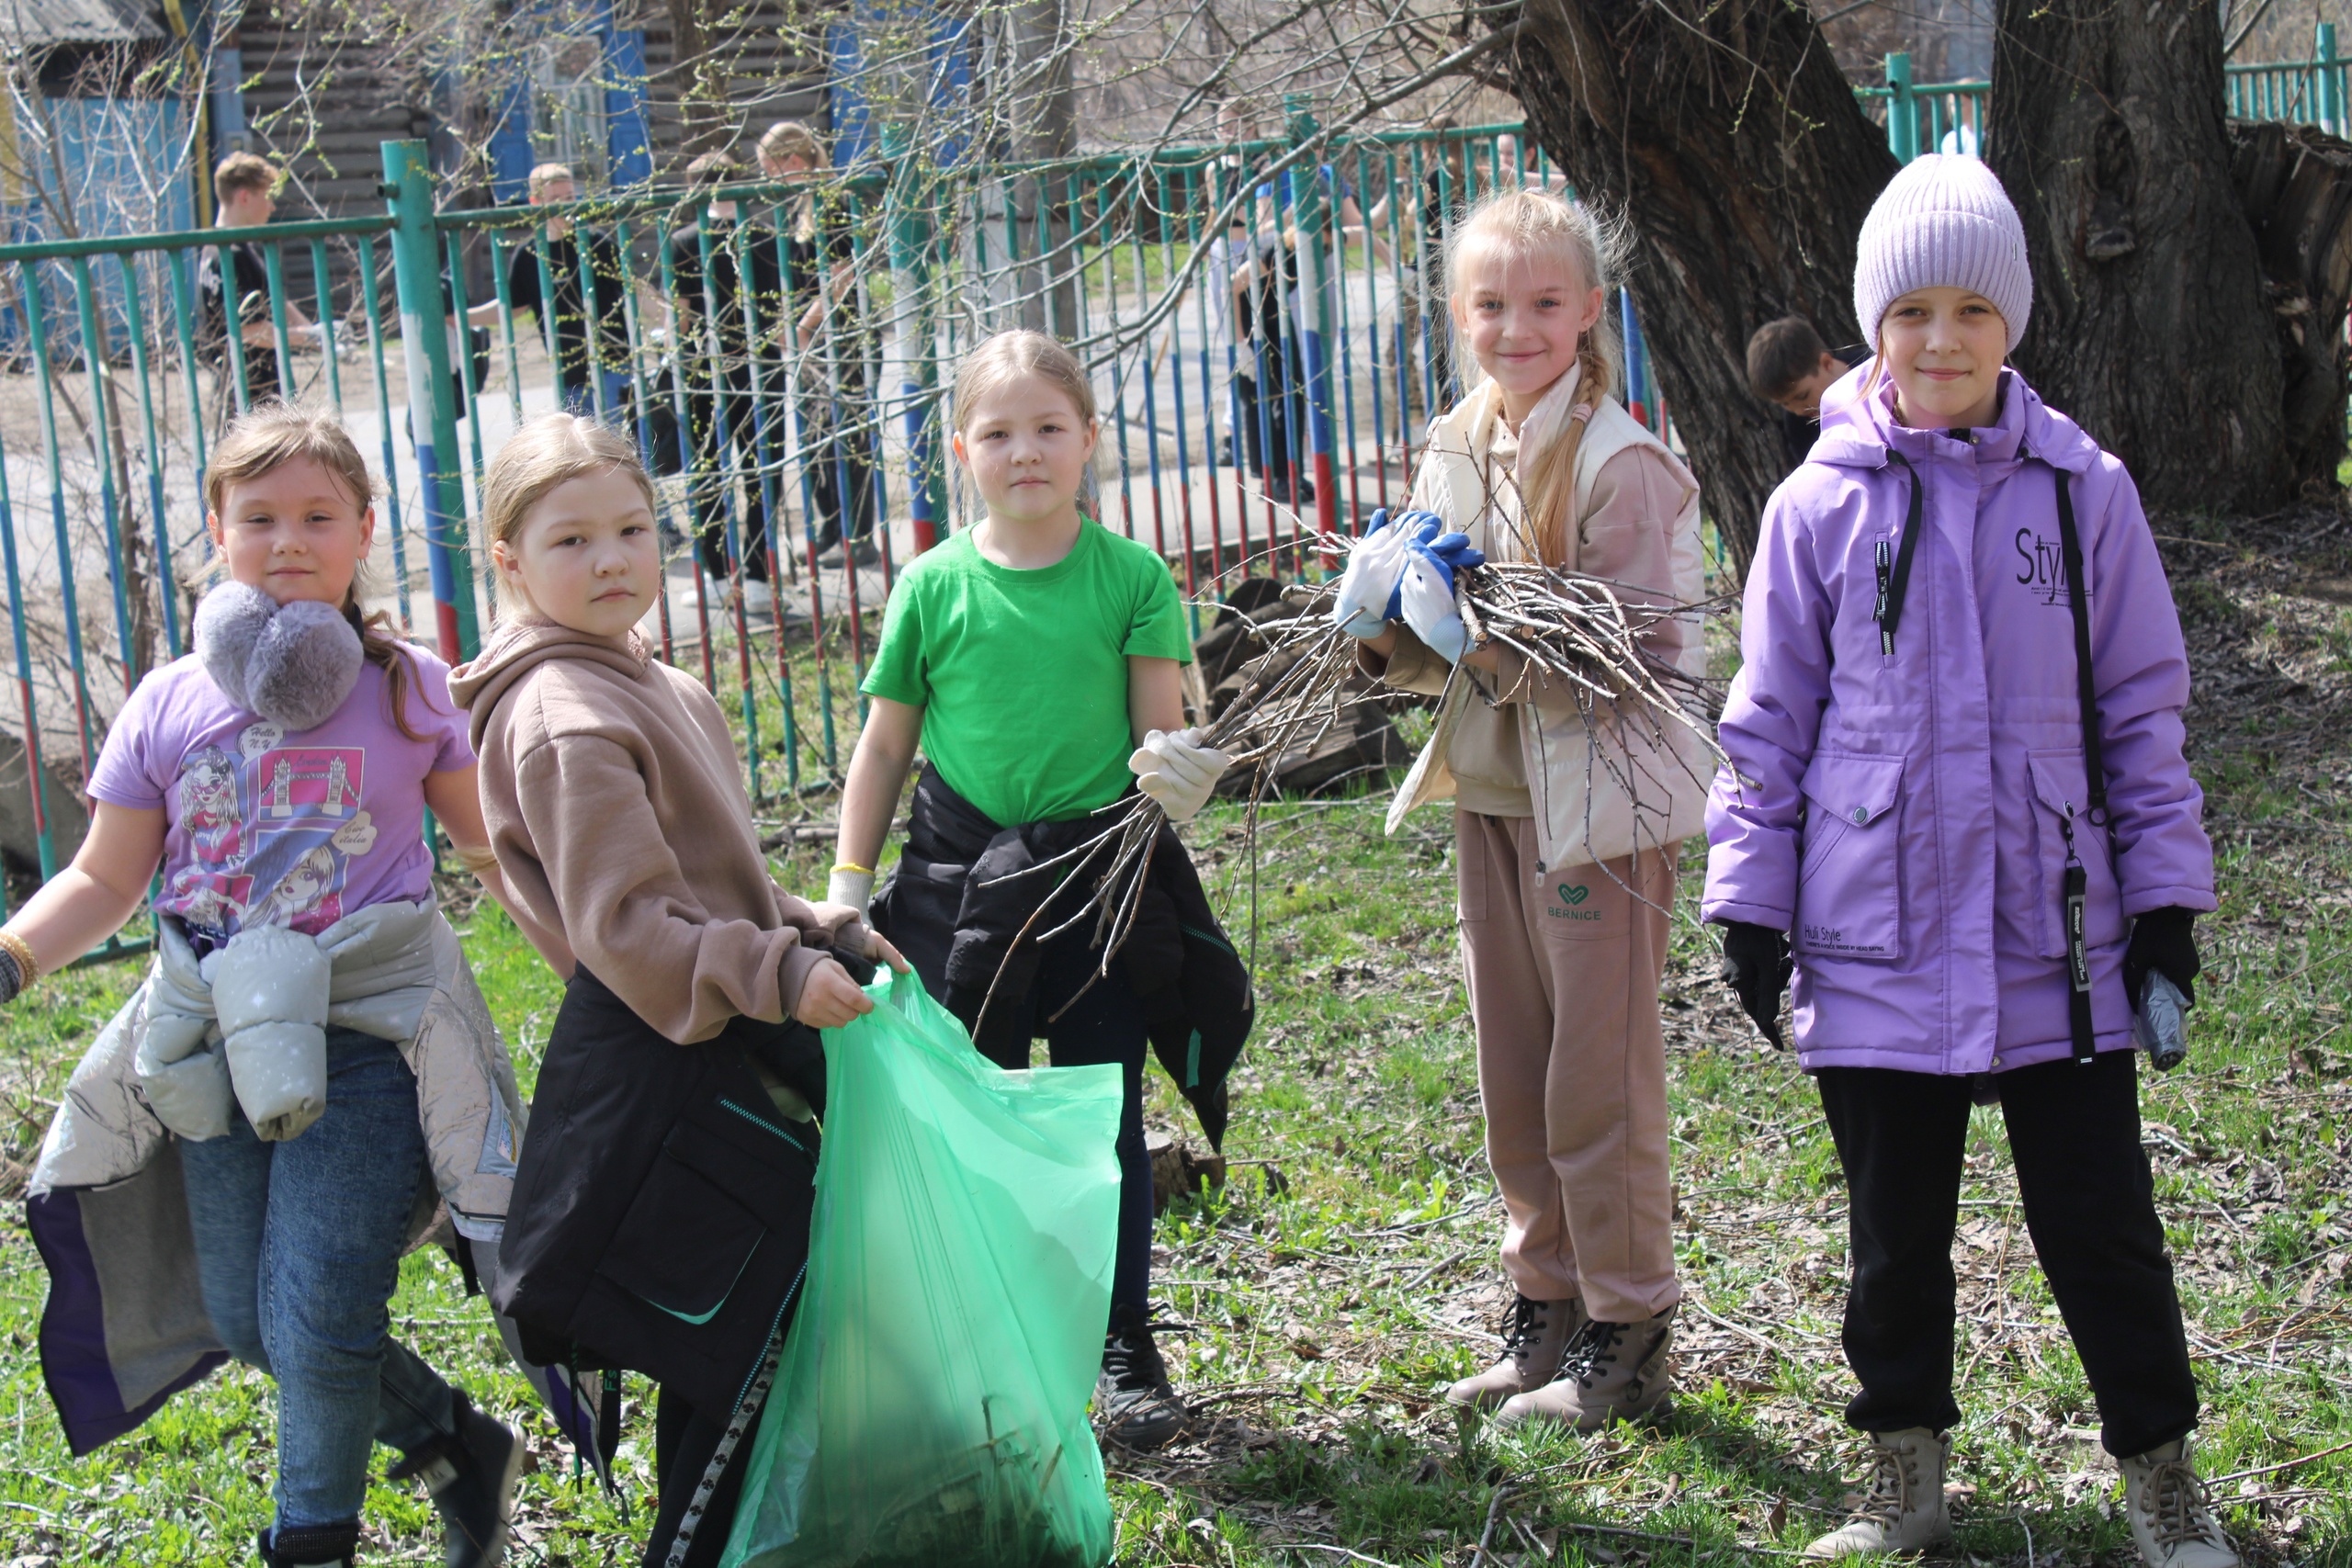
column 931, row 1405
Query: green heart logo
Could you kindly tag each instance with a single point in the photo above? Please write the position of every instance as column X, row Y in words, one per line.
column 1574, row 896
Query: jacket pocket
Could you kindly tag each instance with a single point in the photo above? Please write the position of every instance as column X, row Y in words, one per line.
column 721, row 1185
column 2059, row 782
column 683, row 1243
column 1850, row 876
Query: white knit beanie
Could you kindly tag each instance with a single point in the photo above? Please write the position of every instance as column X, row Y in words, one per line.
column 1943, row 222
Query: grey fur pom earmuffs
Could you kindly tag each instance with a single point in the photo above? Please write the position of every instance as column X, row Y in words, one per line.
column 294, row 664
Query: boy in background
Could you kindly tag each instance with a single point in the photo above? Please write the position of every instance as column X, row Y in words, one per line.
column 245, row 185
column 1789, row 365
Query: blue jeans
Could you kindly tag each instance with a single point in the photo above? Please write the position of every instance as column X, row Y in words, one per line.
column 299, row 1247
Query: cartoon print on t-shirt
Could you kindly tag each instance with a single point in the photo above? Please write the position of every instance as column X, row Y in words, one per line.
column 307, row 898
column 211, row 813
column 304, row 800
column 274, row 830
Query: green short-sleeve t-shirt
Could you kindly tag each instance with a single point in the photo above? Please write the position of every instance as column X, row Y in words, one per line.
column 1022, row 675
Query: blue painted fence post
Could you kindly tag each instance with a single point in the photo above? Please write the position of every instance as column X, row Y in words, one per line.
column 1313, row 206
column 1637, row 399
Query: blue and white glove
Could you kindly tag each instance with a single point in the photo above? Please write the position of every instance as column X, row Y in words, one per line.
column 1367, row 598
column 1425, row 593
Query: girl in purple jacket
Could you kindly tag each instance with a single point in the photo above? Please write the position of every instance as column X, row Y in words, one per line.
column 1958, row 815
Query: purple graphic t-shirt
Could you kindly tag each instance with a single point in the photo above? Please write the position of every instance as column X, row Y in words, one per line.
column 269, row 828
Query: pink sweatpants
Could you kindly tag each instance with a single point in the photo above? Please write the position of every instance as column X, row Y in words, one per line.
column 1564, row 969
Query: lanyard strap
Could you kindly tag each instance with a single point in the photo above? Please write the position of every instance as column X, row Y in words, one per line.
column 2078, row 963
column 1894, row 573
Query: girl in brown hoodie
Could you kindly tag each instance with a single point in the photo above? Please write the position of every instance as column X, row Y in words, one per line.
column 616, row 813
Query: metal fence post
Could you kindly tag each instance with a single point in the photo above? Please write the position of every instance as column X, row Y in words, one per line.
column 1636, row 367
column 2324, row 66
column 432, row 414
column 1312, row 207
column 1902, row 108
column 907, row 213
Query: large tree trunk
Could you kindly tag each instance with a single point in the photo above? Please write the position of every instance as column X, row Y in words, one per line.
column 2150, row 325
column 2295, row 183
column 1735, row 150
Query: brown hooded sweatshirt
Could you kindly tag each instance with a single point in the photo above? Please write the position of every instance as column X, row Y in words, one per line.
column 615, row 808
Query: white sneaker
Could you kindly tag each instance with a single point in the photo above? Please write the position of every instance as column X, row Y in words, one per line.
column 759, row 598
column 2172, row 1519
column 1903, row 1510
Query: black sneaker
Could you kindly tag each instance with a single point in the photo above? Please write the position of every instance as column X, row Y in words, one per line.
column 863, row 553
column 309, row 1546
column 1134, row 1404
column 471, row 1479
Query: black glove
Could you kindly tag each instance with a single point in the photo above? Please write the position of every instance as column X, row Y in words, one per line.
column 12, row 979
column 1756, row 968
column 2162, row 940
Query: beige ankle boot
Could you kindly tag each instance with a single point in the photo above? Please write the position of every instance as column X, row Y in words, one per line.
column 1614, row 1371
column 1533, row 1341
column 1904, row 1509
column 2172, row 1520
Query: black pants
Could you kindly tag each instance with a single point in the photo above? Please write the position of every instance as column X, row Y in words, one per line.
column 2090, row 1206
column 717, row 418
column 684, row 1438
column 837, row 439
column 1105, row 1023
column 1273, row 415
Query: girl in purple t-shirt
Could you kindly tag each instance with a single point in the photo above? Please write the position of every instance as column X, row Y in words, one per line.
column 272, row 782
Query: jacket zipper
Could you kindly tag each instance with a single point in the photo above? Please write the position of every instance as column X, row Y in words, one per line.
column 1885, row 571
column 756, row 1119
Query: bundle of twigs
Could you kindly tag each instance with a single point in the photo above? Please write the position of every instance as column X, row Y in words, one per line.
column 1597, row 636
column 1594, row 636
column 1298, row 689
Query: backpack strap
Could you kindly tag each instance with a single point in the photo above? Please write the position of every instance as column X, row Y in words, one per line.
column 2078, row 964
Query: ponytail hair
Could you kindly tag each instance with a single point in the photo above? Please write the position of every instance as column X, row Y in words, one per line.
column 1519, row 226
column 275, row 433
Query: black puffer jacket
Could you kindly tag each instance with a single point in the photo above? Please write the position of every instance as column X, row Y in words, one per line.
column 956, row 908
column 660, row 1221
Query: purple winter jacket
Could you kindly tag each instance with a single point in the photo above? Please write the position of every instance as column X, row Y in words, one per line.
column 1904, row 815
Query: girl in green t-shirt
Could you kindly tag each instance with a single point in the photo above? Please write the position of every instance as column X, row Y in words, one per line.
column 1035, row 659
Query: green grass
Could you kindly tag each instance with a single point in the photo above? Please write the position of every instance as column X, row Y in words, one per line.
column 1347, row 1268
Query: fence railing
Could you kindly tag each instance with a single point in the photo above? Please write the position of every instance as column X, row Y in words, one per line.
column 2311, row 91
column 1948, row 117
column 1262, row 317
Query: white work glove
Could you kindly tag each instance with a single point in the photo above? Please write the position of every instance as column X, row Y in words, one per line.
column 851, row 886
column 1178, row 772
column 1428, row 602
column 1368, row 586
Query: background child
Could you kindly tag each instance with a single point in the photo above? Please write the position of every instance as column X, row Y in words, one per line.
column 615, row 809
column 1911, row 792
column 278, row 777
column 1566, row 878
column 1029, row 654
column 1789, row 365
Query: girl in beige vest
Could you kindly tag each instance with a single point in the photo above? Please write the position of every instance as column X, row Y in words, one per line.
column 1567, row 820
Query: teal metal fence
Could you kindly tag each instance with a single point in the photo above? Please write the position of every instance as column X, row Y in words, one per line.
column 1263, row 318
column 1948, row 117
